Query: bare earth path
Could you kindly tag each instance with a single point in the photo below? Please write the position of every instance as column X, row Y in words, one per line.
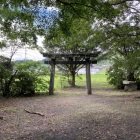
column 72, row 115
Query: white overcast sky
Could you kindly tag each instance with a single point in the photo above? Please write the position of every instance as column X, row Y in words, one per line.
column 22, row 54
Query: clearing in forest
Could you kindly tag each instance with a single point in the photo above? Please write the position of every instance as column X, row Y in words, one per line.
column 71, row 114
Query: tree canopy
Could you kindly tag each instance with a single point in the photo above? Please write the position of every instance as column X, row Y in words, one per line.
column 73, row 41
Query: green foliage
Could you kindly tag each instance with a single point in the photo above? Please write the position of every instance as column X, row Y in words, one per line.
column 23, row 84
column 63, row 80
column 17, row 21
column 119, row 40
column 2, row 44
column 7, row 75
column 124, row 69
column 113, row 31
column 75, row 41
column 22, row 78
column 35, row 71
column 116, row 74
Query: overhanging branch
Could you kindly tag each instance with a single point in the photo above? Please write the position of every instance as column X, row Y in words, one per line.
column 122, row 1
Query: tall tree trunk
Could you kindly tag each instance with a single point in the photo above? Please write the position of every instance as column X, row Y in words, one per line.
column 7, row 84
column 6, row 89
column 73, row 78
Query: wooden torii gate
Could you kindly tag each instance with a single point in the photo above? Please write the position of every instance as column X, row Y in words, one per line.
column 89, row 58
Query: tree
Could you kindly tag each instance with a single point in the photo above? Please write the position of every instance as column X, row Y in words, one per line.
column 117, row 21
column 7, row 66
column 7, row 75
column 120, row 42
column 16, row 78
column 25, row 19
column 114, row 32
column 33, row 13
column 74, row 41
column 33, row 16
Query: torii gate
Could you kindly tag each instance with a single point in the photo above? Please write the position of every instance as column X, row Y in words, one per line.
column 89, row 58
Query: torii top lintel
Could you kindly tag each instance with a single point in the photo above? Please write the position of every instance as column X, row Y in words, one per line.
column 85, row 55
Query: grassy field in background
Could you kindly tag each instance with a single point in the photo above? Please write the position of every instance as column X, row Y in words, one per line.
column 98, row 80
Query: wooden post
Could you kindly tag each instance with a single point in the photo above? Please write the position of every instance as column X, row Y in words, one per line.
column 51, row 87
column 88, row 77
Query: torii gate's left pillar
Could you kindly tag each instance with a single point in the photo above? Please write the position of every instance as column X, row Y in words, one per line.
column 52, row 75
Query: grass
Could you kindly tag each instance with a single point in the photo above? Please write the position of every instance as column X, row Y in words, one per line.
column 98, row 80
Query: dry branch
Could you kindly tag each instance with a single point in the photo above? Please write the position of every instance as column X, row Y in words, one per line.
column 31, row 112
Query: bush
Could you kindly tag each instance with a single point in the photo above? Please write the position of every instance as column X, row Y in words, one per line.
column 22, row 78
column 7, row 76
column 23, row 85
column 123, row 69
column 116, row 73
column 116, row 76
column 32, row 73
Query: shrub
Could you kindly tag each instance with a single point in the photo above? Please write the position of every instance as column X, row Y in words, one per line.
column 23, row 85
column 116, row 75
column 22, row 78
column 33, row 72
column 124, row 69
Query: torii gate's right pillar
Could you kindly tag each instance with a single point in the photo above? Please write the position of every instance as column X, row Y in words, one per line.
column 88, row 76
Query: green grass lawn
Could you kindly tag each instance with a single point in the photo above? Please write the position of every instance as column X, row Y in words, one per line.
column 99, row 79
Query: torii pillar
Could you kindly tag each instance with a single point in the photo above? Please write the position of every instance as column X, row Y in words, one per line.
column 88, row 76
column 52, row 75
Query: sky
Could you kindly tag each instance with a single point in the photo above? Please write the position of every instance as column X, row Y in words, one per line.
column 25, row 54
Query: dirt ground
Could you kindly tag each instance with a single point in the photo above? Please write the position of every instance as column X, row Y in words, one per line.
column 70, row 114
